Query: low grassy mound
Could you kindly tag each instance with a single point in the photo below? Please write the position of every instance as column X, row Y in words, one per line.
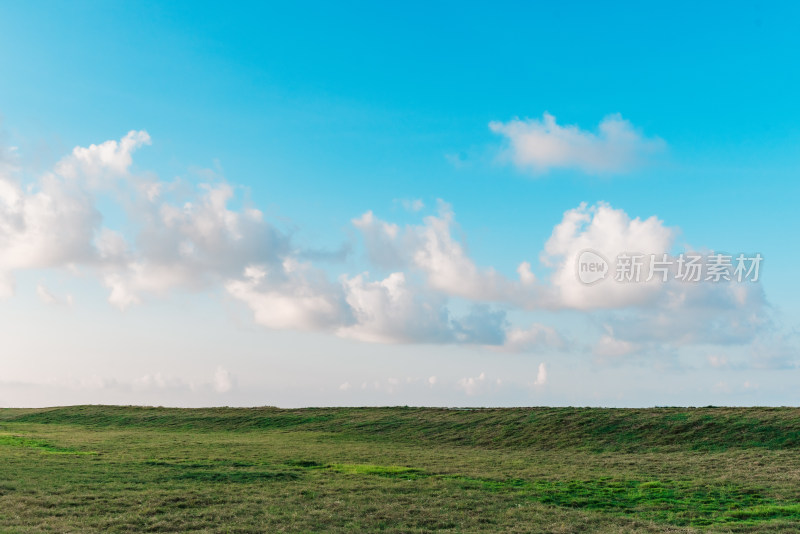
column 596, row 429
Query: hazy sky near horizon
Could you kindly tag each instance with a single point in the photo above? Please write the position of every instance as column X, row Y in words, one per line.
column 384, row 204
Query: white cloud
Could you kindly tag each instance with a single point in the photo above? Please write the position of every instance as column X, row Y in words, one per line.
column 110, row 157
column 535, row 338
column 471, row 385
column 192, row 244
column 671, row 313
column 382, row 311
column 540, row 145
column 48, row 224
column 291, row 296
column 223, row 380
column 431, row 249
column 195, row 237
column 447, row 265
column 381, row 240
column 54, row 222
column 388, row 311
column 541, row 375
column 526, row 276
column 611, row 232
column 185, row 237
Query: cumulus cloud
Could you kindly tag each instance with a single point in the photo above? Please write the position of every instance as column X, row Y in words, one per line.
column 388, row 311
column 640, row 314
column 526, row 276
column 431, row 249
column 46, row 224
column 670, row 312
column 541, row 145
column 610, row 232
column 189, row 245
column 112, row 158
column 291, row 296
column 375, row 311
column 185, row 237
column 189, row 238
column 383, row 241
column 196, row 236
column 446, row 263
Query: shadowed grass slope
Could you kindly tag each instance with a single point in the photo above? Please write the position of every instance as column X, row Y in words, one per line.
column 132, row 469
column 597, row 429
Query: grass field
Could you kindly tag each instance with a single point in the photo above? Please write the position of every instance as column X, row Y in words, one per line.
column 125, row 469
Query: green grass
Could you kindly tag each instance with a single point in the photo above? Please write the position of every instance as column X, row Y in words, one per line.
column 703, row 429
column 129, row 469
column 38, row 444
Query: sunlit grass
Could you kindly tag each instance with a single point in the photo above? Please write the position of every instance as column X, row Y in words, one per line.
column 123, row 469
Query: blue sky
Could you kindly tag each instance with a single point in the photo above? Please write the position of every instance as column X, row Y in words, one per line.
column 316, row 115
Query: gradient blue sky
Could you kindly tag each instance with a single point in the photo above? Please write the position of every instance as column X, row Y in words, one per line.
column 317, row 113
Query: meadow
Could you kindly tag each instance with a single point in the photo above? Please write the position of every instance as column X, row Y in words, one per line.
column 136, row 469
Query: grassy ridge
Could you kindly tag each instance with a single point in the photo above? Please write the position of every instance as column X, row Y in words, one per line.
column 596, row 429
column 134, row 469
